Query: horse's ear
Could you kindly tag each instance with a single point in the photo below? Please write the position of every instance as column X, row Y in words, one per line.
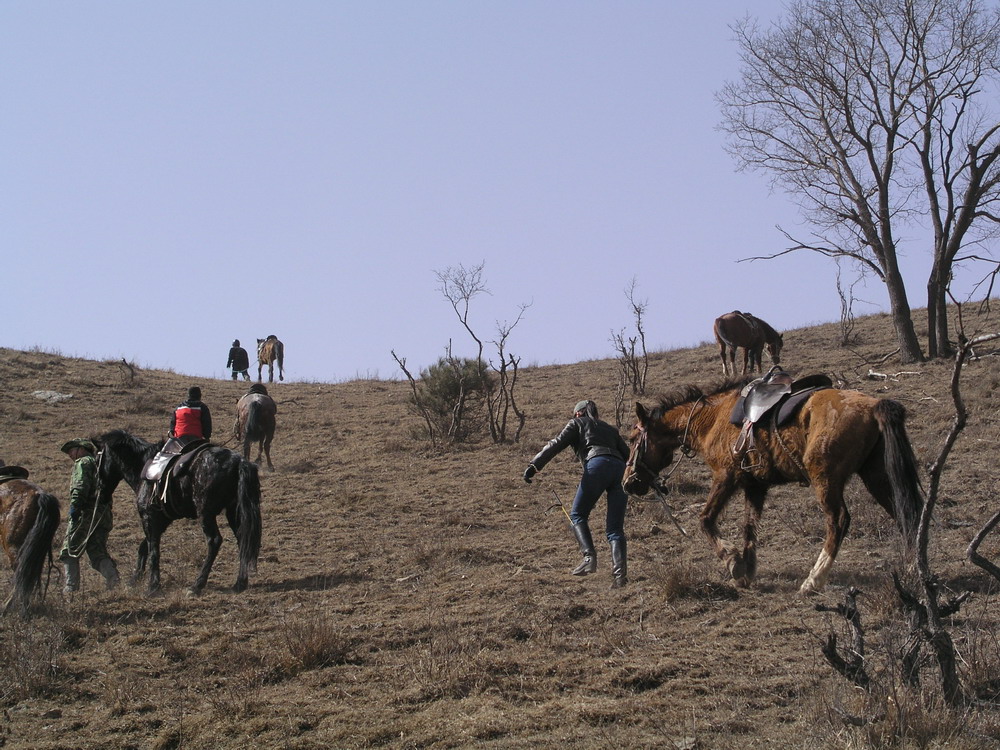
column 640, row 413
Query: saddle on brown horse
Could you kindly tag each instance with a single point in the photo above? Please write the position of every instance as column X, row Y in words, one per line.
column 12, row 472
column 775, row 394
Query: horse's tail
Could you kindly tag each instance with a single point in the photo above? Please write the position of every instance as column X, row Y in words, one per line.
column 32, row 554
column 253, row 429
column 279, row 352
column 901, row 467
column 248, row 512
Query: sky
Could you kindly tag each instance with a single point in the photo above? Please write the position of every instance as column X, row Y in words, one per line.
column 177, row 175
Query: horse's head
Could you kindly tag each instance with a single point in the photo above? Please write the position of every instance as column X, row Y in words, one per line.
column 121, row 456
column 774, row 348
column 652, row 450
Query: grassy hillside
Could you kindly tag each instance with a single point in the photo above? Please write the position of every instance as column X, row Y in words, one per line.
column 413, row 598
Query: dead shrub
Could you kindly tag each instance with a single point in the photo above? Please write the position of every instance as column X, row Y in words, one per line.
column 314, row 640
column 30, row 657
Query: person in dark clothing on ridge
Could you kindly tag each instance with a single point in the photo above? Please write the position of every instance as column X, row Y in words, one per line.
column 192, row 418
column 239, row 360
column 603, row 453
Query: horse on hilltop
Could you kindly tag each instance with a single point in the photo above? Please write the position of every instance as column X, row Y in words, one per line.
column 29, row 517
column 832, row 435
column 255, row 422
column 740, row 329
column 269, row 351
column 215, row 480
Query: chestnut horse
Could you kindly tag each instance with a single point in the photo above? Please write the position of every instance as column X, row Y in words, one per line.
column 834, row 434
column 29, row 517
column 255, row 422
column 739, row 329
column 269, row 351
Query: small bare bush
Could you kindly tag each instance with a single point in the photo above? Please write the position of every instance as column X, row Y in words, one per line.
column 314, row 640
column 30, row 655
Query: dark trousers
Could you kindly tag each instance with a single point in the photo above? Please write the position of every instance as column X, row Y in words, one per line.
column 602, row 474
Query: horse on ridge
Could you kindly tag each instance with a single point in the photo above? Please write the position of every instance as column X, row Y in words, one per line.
column 269, row 351
column 740, row 329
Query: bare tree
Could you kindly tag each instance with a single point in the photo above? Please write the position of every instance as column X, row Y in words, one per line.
column 633, row 367
column 460, row 285
column 871, row 114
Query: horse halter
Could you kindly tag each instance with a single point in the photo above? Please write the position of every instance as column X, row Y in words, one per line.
column 636, row 460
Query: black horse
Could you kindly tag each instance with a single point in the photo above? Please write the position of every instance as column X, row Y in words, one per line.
column 217, row 480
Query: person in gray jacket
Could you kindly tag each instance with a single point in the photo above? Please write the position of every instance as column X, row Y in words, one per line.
column 603, row 453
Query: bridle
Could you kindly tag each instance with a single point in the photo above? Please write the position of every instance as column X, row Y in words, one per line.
column 636, row 460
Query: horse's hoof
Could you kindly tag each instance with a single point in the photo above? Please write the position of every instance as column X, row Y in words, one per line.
column 743, row 582
column 193, row 592
column 808, row 589
column 239, row 587
column 738, row 569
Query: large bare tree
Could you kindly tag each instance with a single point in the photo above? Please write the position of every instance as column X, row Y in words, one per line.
column 874, row 115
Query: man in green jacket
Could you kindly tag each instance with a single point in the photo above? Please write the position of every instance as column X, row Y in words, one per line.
column 89, row 523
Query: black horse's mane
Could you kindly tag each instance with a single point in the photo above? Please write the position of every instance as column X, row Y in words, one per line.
column 132, row 442
column 687, row 394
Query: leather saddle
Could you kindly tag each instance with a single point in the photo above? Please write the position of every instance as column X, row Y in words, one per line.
column 776, row 394
column 8, row 473
column 173, row 458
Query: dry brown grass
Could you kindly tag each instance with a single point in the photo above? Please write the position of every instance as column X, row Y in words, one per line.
column 411, row 598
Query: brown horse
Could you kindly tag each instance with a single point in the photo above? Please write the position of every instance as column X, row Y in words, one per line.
column 29, row 517
column 739, row 329
column 269, row 351
column 255, row 422
column 834, row 435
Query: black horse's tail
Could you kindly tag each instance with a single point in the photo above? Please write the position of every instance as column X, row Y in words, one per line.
column 248, row 512
column 279, row 352
column 33, row 553
column 901, row 466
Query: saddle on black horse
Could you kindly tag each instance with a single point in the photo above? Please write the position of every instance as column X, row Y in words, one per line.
column 775, row 395
column 172, row 462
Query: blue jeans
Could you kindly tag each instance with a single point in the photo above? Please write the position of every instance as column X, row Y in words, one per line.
column 602, row 474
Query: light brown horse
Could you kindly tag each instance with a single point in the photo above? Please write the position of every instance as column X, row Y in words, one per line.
column 834, row 435
column 29, row 517
column 255, row 422
column 269, row 351
column 738, row 329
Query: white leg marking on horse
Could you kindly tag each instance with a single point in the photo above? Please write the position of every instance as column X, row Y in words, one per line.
column 818, row 575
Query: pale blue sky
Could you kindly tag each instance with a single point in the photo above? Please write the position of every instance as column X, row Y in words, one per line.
column 176, row 175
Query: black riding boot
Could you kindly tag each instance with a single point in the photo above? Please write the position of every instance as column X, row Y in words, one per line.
column 619, row 563
column 589, row 564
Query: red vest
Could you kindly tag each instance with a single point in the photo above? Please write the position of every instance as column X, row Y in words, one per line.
column 188, row 421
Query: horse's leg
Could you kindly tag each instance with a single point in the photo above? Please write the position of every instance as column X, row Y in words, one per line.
column 260, row 366
column 270, row 371
column 267, row 450
column 243, row 574
column 746, row 359
column 718, row 498
column 722, row 354
column 754, row 507
column 140, row 562
column 213, row 536
column 838, row 520
column 156, row 530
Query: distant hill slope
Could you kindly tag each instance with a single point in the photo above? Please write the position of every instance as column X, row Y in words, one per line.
column 408, row 597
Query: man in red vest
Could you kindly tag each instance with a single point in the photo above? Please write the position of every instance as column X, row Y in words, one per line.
column 191, row 418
